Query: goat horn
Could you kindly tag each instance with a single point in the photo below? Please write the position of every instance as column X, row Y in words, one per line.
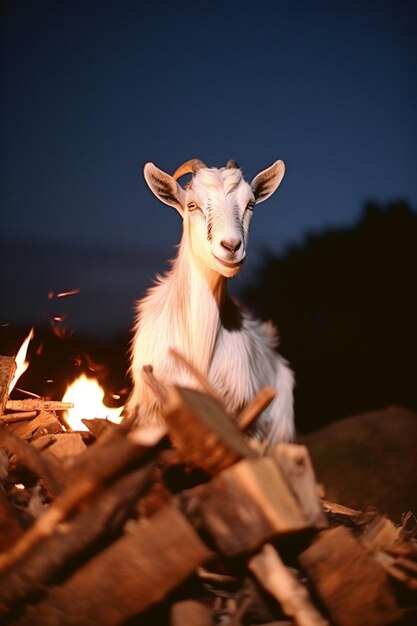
column 232, row 164
column 189, row 167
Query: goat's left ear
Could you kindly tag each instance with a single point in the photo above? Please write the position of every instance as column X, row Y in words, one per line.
column 268, row 181
column 164, row 187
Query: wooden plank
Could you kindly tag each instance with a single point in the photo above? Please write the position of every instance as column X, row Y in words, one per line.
column 248, row 504
column 7, row 370
column 202, row 430
column 295, row 463
column 352, row 586
column 132, row 574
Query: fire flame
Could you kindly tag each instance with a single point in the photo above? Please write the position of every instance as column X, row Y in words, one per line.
column 87, row 396
column 21, row 363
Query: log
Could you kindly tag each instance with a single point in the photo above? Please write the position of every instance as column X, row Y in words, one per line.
column 281, row 583
column 97, row 426
column 151, row 560
column 248, row 415
column 295, row 463
column 384, row 539
column 37, row 404
column 201, row 429
column 21, row 416
column 380, row 534
column 349, row 582
column 66, row 446
column 248, row 504
column 7, row 370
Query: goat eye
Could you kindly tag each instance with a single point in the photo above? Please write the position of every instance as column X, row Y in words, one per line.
column 192, row 206
column 250, row 205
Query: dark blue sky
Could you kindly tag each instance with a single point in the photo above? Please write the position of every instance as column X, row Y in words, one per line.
column 92, row 90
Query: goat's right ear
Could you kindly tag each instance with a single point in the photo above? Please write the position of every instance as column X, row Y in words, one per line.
column 164, row 187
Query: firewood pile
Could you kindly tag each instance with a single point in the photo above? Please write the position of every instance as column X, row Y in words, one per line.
column 184, row 525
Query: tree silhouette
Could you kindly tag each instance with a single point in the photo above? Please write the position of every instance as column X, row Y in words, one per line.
column 345, row 303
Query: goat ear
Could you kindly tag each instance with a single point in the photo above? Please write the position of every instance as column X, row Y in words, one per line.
column 268, row 181
column 164, row 187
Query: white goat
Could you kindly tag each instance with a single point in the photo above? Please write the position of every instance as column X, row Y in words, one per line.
column 189, row 309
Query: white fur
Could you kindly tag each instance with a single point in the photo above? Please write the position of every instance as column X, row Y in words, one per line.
column 189, row 309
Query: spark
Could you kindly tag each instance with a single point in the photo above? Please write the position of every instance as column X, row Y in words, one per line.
column 63, row 294
column 28, row 393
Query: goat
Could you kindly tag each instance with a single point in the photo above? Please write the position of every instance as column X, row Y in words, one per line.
column 189, row 309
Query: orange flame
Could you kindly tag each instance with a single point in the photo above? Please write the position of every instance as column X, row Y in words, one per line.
column 21, row 363
column 87, row 396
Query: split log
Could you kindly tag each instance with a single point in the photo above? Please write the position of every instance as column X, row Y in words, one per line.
column 247, row 416
column 42, row 424
column 37, row 404
column 7, row 370
column 295, row 463
column 248, row 504
column 55, row 555
column 201, row 429
column 151, row 560
column 384, row 539
column 350, row 583
column 97, row 426
column 66, row 446
column 380, row 534
column 281, row 583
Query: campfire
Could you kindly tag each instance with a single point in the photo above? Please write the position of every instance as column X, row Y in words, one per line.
column 103, row 523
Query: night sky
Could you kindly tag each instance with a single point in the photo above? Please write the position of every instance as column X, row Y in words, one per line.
column 92, row 90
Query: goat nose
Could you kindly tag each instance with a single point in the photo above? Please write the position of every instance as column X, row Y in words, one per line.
column 232, row 245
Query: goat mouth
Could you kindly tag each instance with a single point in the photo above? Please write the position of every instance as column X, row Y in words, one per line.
column 230, row 264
